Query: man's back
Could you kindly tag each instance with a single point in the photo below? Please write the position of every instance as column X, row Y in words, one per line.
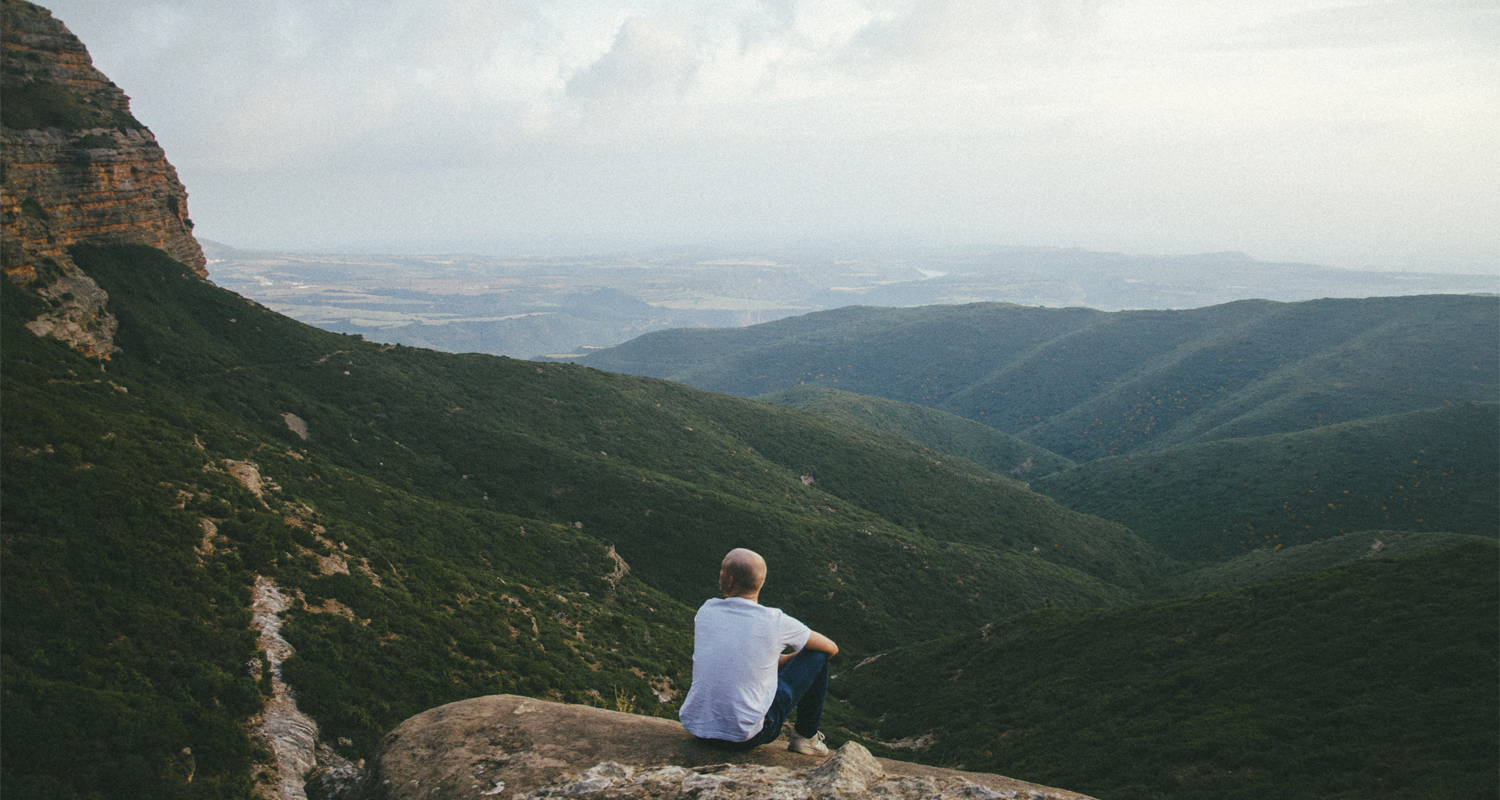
column 736, row 646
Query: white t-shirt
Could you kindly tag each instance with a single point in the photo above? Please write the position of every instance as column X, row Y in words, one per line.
column 736, row 643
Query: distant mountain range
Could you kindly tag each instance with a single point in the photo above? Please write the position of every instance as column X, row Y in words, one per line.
column 1086, row 384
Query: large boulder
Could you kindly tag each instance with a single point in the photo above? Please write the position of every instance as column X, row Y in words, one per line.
column 520, row 748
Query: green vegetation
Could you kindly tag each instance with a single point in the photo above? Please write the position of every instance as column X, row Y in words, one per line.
column 1086, row 384
column 921, row 355
column 471, row 503
column 124, row 644
column 91, row 141
column 947, row 433
column 37, row 104
column 444, row 531
column 1373, row 680
column 1431, row 470
column 1269, row 564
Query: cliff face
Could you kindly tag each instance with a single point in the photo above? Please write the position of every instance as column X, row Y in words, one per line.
column 77, row 168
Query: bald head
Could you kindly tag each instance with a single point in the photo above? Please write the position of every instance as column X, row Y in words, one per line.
column 742, row 574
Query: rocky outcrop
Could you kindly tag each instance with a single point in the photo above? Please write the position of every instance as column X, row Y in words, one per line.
column 290, row 735
column 100, row 185
column 77, row 168
column 519, row 748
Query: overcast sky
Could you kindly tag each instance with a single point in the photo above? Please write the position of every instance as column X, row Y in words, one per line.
column 1358, row 134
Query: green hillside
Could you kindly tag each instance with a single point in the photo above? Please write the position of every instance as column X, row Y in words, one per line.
column 1374, row 680
column 1270, row 564
column 918, row 355
column 947, row 433
column 1086, row 384
column 444, row 529
column 1432, row 470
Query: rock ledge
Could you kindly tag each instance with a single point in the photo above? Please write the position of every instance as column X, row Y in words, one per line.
column 519, row 748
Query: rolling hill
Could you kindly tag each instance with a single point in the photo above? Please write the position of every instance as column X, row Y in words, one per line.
column 1376, row 679
column 1269, row 564
column 1086, row 384
column 1432, row 470
column 947, row 433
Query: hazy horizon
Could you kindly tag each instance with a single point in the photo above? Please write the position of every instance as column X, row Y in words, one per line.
column 1354, row 135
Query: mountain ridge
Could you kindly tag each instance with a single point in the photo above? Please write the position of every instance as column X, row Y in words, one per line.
column 998, row 452
column 1244, row 368
column 1430, row 470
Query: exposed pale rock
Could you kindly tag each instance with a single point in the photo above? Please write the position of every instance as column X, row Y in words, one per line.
column 619, row 572
column 297, row 425
column 78, row 316
column 205, row 547
column 290, row 735
column 844, row 775
column 519, row 748
column 247, row 474
column 851, row 773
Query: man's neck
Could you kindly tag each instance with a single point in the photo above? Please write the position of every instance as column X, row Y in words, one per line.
column 753, row 597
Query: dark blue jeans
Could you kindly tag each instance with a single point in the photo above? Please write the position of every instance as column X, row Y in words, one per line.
column 803, row 684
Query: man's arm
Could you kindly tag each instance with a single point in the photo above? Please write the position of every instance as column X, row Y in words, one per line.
column 817, row 643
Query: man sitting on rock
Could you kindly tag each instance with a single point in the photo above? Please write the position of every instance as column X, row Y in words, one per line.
column 744, row 686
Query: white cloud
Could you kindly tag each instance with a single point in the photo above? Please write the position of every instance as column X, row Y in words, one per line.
column 1315, row 129
column 649, row 57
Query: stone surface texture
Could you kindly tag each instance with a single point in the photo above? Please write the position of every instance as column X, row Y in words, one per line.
column 107, row 183
column 519, row 748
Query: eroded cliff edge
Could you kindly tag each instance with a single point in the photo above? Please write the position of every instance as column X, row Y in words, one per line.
column 520, row 748
column 78, row 167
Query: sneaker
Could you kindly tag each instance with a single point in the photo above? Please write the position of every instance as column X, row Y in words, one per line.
column 809, row 746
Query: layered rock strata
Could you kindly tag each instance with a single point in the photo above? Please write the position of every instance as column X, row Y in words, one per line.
column 77, row 168
column 519, row 748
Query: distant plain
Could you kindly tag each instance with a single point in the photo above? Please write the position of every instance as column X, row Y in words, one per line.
column 526, row 306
